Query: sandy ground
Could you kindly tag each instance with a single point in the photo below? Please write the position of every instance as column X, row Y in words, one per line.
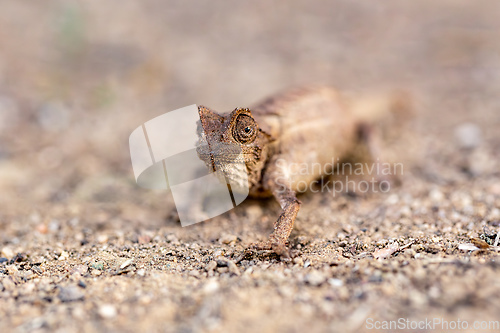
column 83, row 249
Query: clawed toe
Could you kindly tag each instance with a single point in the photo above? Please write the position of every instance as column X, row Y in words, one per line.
column 280, row 249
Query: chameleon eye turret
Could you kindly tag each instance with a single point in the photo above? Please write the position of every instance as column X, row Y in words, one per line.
column 245, row 129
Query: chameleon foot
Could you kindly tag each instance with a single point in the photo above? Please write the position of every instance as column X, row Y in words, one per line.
column 280, row 249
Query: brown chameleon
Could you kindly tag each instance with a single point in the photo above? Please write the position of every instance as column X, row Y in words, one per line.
column 308, row 126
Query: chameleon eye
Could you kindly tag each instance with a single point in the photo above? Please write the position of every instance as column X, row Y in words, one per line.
column 245, row 130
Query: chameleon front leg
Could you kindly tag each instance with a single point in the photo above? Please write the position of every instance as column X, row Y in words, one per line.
column 276, row 181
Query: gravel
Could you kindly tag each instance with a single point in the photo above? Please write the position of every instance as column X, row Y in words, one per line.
column 84, row 249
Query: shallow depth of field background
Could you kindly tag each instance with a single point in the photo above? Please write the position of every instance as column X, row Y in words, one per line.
column 76, row 77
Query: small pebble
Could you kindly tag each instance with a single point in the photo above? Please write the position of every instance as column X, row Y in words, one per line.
column 64, row 255
column 96, row 272
column 3, row 260
column 70, row 294
column 436, row 195
column 107, row 311
column 42, row 228
column 468, row 135
column 102, row 238
column 315, row 278
column 211, row 286
column 7, row 252
column 233, row 268
column 211, row 266
column 126, row 263
column 227, row 239
column 335, row 282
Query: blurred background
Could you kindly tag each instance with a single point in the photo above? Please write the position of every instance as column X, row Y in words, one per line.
column 76, row 77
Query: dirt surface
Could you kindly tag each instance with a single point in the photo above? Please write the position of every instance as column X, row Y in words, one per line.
column 83, row 248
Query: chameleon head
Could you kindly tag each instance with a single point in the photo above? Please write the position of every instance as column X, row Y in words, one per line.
column 232, row 143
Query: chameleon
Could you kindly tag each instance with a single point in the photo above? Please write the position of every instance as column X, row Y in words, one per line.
column 302, row 126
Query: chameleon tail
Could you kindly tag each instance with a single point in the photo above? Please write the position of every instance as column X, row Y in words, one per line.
column 376, row 106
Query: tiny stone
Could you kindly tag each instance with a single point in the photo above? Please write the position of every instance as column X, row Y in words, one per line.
column 102, row 238
column 96, row 272
column 126, row 263
column 227, row 239
column 468, row 135
column 3, row 260
column 70, row 294
column 211, row 266
column 141, row 272
column 211, row 286
column 64, row 255
column 233, row 268
column 12, row 269
column 107, row 311
column 7, row 252
column 436, row 195
column 315, row 278
column 221, row 261
column 42, row 228
column 20, row 257
column 335, row 282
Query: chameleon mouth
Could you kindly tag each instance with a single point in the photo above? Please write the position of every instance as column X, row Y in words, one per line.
column 229, row 167
column 212, row 160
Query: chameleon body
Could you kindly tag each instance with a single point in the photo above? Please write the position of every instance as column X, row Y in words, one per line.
column 278, row 138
